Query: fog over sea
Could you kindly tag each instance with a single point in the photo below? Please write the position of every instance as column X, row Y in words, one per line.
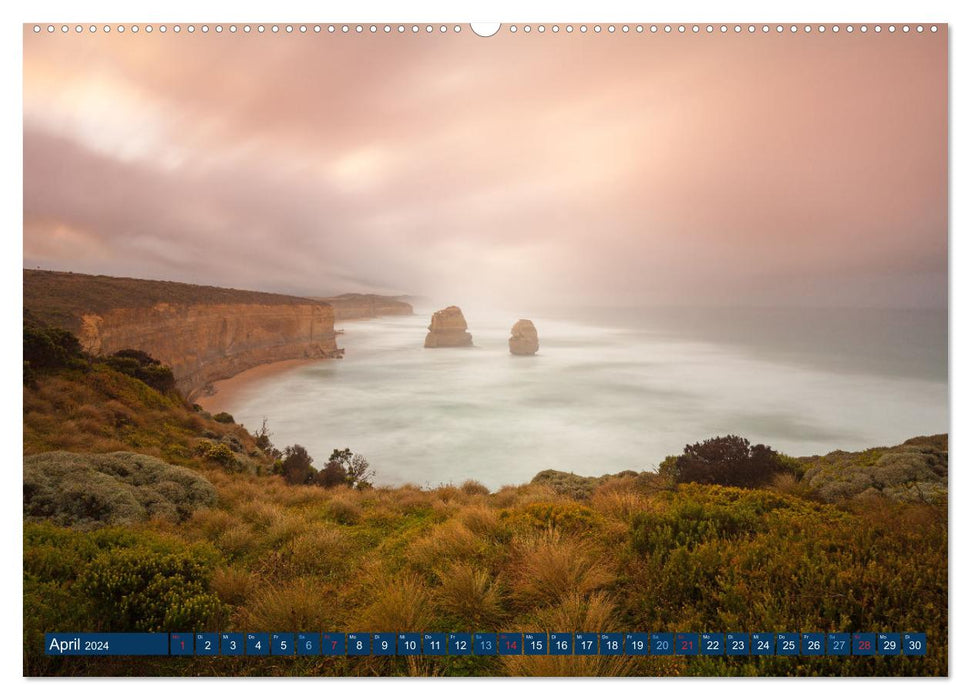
column 609, row 389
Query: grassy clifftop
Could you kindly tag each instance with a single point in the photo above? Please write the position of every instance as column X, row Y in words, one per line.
column 59, row 298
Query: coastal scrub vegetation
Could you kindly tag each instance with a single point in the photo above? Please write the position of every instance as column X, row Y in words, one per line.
column 344, row 468
column 112, row 488
column 141, row 365
column 728, row 461
column 269, row 556
column 198, row 525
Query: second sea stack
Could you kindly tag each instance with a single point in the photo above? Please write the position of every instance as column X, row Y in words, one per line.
column 524, row 340
column 448, row 329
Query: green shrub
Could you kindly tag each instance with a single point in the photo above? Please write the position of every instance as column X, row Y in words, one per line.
column 345, row 468
column 138, row 589
column 217, row 452
column 141, row 365
column 333, row 474
column 118, row 487
column 696, row 515
column 223, row 417
column 297, row 466
column 727, row 461
column 47, row 348
column 562, row 517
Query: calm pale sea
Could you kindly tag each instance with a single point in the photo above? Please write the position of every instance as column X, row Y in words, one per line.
column 609, row 390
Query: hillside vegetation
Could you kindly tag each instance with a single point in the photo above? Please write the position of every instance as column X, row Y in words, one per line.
column 626, row 552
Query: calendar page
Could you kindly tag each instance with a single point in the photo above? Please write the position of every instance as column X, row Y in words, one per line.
column 520, row 349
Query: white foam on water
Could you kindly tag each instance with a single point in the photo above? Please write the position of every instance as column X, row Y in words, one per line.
column 595, row 399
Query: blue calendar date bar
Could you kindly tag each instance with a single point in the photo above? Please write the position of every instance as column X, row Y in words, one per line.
column 284, row 644
column 106, row 644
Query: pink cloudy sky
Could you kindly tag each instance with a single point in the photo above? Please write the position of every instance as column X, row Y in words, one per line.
column 638, row 169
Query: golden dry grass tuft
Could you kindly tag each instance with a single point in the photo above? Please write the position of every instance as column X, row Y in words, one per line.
column 619, row 501
column 789, row 485
column 399, row 603
column 320, row 550
column 574, row 612
column 450, row 541
column 517, row 496
column 237, row 541
column 470, row 597
column 408, row 499
column 449, row 494
column 301, row 604
column 343, row 508
column 210, row 523
column 443, row 510
column 283, row 530
column 482, row 521
column 234, row 585
column 551, row 567
column 261, row 514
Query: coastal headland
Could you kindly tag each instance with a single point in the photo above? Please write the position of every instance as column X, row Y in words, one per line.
column 203, row 333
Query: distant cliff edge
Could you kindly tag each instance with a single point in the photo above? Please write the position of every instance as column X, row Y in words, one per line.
column 353, row 306
column 203, row 333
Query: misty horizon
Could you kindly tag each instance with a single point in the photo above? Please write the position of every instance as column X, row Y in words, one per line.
column 433, row 301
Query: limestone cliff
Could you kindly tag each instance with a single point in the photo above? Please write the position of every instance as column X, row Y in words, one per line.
column 205, row 343
column 448, row 329
column 353, row 306
column 203, row 333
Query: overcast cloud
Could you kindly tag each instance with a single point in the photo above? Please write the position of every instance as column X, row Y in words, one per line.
column 514, row 170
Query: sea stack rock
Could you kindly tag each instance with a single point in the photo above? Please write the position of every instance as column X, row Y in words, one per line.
column 523, row 340
column 448, row 329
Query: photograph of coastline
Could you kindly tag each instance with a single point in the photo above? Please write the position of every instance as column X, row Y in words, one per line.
column 424, row 332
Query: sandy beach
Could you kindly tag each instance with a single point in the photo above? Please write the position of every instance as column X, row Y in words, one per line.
column 224, row 391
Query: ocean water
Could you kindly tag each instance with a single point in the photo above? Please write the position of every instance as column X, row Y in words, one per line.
column 608, row 390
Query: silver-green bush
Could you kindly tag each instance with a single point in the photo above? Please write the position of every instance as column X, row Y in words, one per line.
column 913, row 471
column 114, row 488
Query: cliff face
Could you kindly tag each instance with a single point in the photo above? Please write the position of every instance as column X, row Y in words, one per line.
column 203, row 343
